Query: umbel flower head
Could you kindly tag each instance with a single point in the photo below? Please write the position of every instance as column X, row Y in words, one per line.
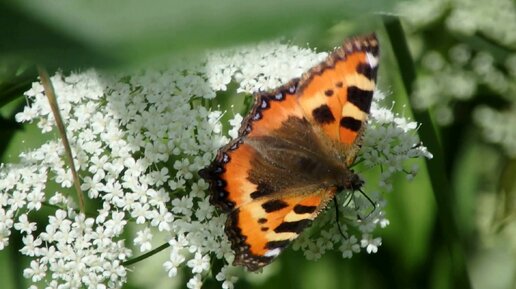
column 138, row 140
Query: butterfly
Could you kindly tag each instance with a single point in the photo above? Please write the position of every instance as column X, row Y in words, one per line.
column 293, row 153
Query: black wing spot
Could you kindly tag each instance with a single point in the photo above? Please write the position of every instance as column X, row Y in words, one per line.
column 277, row 244
column 323, row 114
column 350, row 123
column 374, row 49
column 361, row 98
column 367, row 71
column 274, row 205
column 262, row 190
column 328, row 92
column 300, row 209
column 292, row 227
column 257, row 194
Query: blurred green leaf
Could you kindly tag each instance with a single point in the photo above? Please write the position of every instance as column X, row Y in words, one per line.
column 100, row 32
column 439, row 183
column 13, row 86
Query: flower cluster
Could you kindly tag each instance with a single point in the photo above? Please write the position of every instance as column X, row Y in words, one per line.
column 477, row 59
column 138, row 140
column 496, row 18
column 490, row 121
column 459, row 79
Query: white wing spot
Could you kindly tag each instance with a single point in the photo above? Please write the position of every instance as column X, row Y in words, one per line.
column 372, row 60
column 272, row 253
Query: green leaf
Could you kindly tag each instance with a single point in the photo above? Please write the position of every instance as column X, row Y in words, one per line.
column 108, row 32
column 440, row 185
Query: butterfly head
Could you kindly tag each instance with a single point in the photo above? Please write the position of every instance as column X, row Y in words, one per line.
column 350, row 181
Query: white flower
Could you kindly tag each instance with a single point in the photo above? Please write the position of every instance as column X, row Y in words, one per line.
column 162, row 219
column 349, row 246
column 195, row 282
column 199, row 188
column 116, row 224
column 114, row 270
column 227, row 279
column 314, row 252
column 182, row 168
column 31, row 247
column 371, row 244
column 199, row 263
column 182, row 206
column 34, row 198
column 36, row 272
column 17, row 200
column 4, row 236
column 141, row 212
column 205, row 210
column 24, row 226
column 235, row 123
column 175, row 259
column 143, row 238
column 177, row 185
column 159, row 177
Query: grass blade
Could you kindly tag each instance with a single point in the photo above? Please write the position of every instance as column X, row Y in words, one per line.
column 442, row 189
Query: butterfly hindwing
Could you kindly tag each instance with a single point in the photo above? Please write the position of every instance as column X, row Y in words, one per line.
column 262, row 229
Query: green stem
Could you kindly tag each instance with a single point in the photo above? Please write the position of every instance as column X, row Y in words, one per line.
column 442, row 189
column 146, row 255
column 506, row 200
column 56, row 207
column 51, row 96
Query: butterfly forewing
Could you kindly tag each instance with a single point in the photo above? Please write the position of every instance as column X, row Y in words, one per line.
column 336, row 95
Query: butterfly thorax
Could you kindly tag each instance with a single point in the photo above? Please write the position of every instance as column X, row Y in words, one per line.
column 300, row 163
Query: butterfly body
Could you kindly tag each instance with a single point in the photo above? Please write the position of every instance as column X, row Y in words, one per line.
column 293, row 153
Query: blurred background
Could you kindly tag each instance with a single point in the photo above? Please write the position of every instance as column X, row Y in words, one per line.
column 453, row 226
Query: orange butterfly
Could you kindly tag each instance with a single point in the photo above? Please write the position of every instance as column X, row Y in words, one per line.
column 293, row 153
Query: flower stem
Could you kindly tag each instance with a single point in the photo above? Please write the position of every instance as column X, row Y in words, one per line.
column 146, row 255
column 443, row 192
column 50, row 93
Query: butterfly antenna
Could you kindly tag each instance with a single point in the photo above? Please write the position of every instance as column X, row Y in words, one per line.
column 337, row 216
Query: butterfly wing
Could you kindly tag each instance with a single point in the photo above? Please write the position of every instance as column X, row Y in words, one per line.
column 275, row 140
column 270, row 179
column 336, row 95
column 260, row 230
